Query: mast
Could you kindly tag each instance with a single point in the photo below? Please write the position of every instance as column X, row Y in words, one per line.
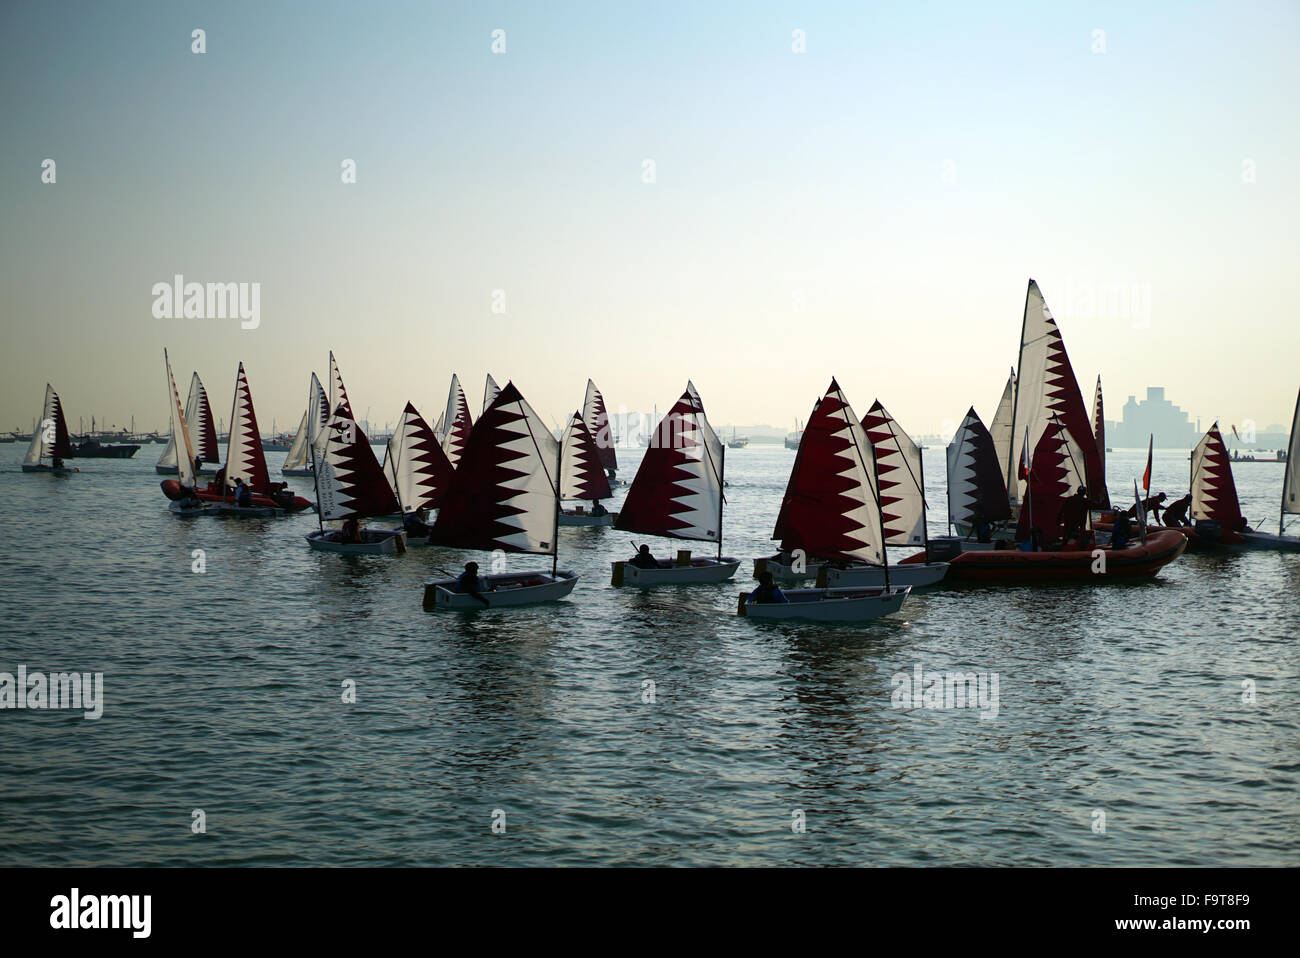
column 1015, row 394
column 1290, row 465
column 722, row 496
column 925, row 506
column 555, row 527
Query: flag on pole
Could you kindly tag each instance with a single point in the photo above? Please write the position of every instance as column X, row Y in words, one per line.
column 1146, row 476
column 1141, row 512
column 1234, row 432
column 1025, row 458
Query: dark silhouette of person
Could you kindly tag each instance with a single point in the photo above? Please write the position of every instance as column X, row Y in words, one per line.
column 643, row 559
column 767, row 590
column 467, row 584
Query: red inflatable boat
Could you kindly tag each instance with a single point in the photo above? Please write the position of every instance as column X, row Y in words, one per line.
column 1136, row 560
column 282, row 500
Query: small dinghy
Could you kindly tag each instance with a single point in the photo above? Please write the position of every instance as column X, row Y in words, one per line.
column 827, row 605
column 202, row 432
column 900, row 480
column 503, row 495
column 418, row 471
column 50, row 440
column 1215, row 511
column 832, row 512
column 582, row 477
column 350, row 486
column 677, row 493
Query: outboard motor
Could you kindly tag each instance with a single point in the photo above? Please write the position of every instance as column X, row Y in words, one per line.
column 944, row 549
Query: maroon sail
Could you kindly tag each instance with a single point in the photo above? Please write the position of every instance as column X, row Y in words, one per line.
column 581, row 473
column 349, row 480
column 244, row 457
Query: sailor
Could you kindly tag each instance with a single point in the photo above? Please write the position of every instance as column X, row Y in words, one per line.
column 467, row 584
column 1176, row 512
column 767, row 590
column 1123, row 531
column 415, row 526
column 198, row 466
column 1151, row 504
column 58, row 463
column 243, row 494
column 643, row 559
column 980, row 524
column 1073, row 513
column 598, row 510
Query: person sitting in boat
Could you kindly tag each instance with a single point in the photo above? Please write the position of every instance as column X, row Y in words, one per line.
column 767, row 590
column 643, row 559
column 467, row 583
column 1176, row 512
column 598, row 510
column 243, row 494
column 1074, row 512
column 1123, row 531
column 980, row 525
column 415, row 527
column 58, row 463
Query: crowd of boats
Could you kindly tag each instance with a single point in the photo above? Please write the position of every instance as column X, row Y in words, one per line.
column 1027, row 495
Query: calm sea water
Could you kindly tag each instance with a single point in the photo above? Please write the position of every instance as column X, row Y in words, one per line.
column 223, row 693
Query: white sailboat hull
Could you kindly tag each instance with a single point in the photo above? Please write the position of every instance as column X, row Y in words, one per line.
column 501, row 591
column 913, row 574
column 381, row 542
column 700, row 570
column 1268, row 540
column 586, row 519
column 828, row 605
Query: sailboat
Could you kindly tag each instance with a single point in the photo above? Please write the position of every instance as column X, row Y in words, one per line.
column 737, row 442
column 504, row 494
column 188, row 504
column 50, row 439
column 582, row 477
column 350, row 485
column 1045, row 392
column 417, row 470
column 202, row 433
column 1290, row 497
column 1050, row 476
column 900, row 483
column 977, row 495
column 1000, row 426
column 677, row 493
column 596, row 419
column 1215, row 512
column 308, row 439
column 832, row 511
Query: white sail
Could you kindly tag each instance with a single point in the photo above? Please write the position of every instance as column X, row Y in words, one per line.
column 318, row 411
column 1291, row 481
column 184, row 450
column 1000, row 427
column 581, row 474
column 490, row 390
column 50, row 437
column 899, row 478
column 414, row 463
column 456, row 422
column 349, row 480
column 338, row 396
column 975, row 482
column 300, row 448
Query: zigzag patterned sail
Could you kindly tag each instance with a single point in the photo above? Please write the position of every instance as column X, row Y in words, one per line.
column 1101, row 495
column 677, row 491
column 581, row 473
column 203, row 427
column 898, row 479
column 975, row 474
column 1291, row 481
column 457, row 422
column 50, row 443
column 1056, row 471
column 1046, row 388
column 504, row 493
column 318, row 408
column 1001, row 426
column 1214, row 493
column 349, row 481
column 244, row 457
column 596, row 420
column 184, row 455
column 490, row 390
column 831, row 509
column 417, row 468
column 338, row 396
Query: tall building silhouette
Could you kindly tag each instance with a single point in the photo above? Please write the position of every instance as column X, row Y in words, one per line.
column 1156, row 416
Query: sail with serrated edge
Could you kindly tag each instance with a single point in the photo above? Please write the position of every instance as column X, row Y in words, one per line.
column 831, row 509
column 596, row 419
column 50, row 440
column 1000, row 425
column 416, row 467
column 581, row 473
column 898, row 478
column 244, row 457
column 490, row 390
column 456, row 421
column 184, row 451
column 1214, row 492
column 1291, row 480
column 1102, row 496
column 975, row 475
column 349, row 480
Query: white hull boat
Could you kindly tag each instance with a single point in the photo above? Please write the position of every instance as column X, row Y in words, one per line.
column 378, row 542
column 914, row 574
column 783, row 571
column 828, row 605
column 522, row 588
column 1269, row 540
column 693, row 572
column 570, row 518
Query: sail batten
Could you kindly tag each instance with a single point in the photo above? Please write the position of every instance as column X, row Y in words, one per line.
column 831, row 506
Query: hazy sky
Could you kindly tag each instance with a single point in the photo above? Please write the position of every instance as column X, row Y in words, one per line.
column 870, row 209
